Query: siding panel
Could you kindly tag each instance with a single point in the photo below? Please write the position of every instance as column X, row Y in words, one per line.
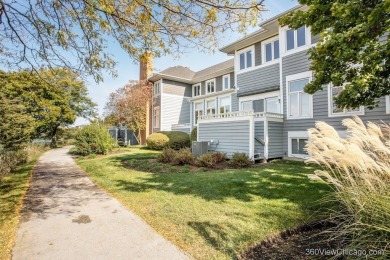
column 233, row 136
column 176, row 88
column 260, row 78
column 175, row 110
column 275, row 139
column 259, row 134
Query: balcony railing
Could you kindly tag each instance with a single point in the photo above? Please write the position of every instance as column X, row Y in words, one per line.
column 241, row 114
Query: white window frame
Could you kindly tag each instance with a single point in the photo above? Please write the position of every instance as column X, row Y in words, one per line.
column 157, row 85
column 270, row 94
column 263, row 50
column 295, row 77
column 283, row 41
column 388, row 104
column 202, row 103
column 215, row 87
column 223, row 81
column 219, row 103
column 345, row 112
column 296, row 135
column 296, row 39
column 206, row 107
column 198, row 85
column 154, row 117
column 237, row 62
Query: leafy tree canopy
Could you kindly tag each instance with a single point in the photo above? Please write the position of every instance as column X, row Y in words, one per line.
column 353, row 50
column 75, row 33
column 32, row 106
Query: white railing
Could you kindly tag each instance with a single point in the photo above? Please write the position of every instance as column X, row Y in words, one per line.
column 241, row 114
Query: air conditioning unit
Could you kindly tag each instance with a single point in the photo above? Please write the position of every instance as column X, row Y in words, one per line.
column 199, row 148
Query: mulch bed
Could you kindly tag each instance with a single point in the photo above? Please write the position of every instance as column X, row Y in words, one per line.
column 304, row 242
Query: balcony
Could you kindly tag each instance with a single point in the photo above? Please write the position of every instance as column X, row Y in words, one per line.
column 242, row 114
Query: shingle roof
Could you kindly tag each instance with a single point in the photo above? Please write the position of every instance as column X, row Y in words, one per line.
column 187, row 74
column 179, row 72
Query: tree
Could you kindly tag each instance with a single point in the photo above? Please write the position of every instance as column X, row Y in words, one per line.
column 74, row 33
column 353, row 49
column 33, row 107
column 129, row 104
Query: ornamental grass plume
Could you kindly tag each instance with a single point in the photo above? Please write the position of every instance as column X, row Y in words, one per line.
column 358, row 169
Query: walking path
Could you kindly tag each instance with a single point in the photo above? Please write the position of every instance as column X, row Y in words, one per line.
column 66, row 216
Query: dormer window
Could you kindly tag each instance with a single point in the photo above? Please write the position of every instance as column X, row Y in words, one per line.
column 246, row 58
column 210, row 86
column 270, row 49
column 196, row 90
column 296, row 38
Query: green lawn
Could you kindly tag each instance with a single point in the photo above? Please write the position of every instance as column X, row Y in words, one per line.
column 216, row 214
column 12, row 190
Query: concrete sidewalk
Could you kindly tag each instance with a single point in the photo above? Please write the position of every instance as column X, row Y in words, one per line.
column 66, row 216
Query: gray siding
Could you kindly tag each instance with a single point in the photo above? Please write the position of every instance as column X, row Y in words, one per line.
column 232, row 136
column 177, row 88
column 218, row 83
column 259, row 134
column 315, row 38
column 266, row 77
column 182, row 129
column 275, row 139
column 235, row 103
column 232, row 80
column 297, row 63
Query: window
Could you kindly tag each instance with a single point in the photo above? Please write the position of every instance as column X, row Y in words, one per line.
column 335, row 110
column 295, row 38
column 226, row 82
column 298, row 145
column 388, row 104
column 246, row 106
column 210, row 86
column 196, row 90
column 246, row 58
column 156, row 88
column 270, row 104
column 210, row 107
column 156, row 117
column 198, row 111
column 297, row 141
column 224, row 105
column 271, row 50
column 299, row 102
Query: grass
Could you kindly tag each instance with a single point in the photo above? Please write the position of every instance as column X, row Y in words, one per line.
column 216, row 214
column 12, row 190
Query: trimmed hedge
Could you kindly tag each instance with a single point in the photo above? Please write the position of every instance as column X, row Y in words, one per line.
column 177, row 139
column 157, row 141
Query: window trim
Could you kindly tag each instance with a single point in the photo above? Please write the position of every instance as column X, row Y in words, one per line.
column 200, row 89
column 219, row 103
column 387, row 104
column 263, row 50
column 215, row 87
column 361, row 111
column 154, row 117
column 237, row 62
column 296, row 77
column 270, row 94
column 223, row 82
column 296, row 135
column 202, row 103
column 296, row 48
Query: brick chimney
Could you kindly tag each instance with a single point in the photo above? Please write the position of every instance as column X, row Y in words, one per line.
column 145, row 65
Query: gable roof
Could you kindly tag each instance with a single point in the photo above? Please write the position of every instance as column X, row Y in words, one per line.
column 186, row 75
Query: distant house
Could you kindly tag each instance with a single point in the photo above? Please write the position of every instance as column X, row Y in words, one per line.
column 254, row 103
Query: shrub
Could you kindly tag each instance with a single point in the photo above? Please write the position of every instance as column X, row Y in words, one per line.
column 184, row 156
column 157, row 141
column 358, row 169
column 219, row 157
column 95, row 139
column 239, row 160
column 167, row 155
column 92, row 156
column 206, row 160
column 177, row 139
column 194, row 135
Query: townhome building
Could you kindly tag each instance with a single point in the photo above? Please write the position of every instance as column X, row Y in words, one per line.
column 258, row 105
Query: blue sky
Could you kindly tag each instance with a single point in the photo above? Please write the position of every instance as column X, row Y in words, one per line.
column 129, row 70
